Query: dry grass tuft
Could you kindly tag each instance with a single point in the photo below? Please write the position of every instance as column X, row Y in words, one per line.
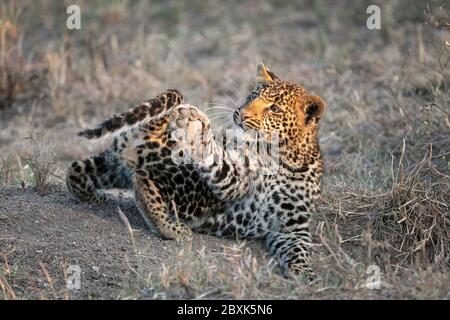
column 41, row 159
column 6, row 171
column 414, row 216
column 234, row 273
column 407, row 222
column 6, row 277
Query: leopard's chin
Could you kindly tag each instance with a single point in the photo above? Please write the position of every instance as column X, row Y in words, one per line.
column 239, row 130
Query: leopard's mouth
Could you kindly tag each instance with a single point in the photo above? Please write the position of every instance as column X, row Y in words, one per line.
column 245, row 124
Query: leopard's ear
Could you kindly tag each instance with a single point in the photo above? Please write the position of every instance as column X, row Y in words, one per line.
column 314, row 108
column 265, row 75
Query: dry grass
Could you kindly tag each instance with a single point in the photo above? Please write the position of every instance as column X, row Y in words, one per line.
column 5, row 171
column 19, row 79
column 5, row 277
column 385, row 136
column 40, row 159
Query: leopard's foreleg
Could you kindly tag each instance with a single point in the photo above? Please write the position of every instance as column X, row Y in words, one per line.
column 292, row 251
column 156, row 210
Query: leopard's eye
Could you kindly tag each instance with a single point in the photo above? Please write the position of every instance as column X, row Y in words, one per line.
column 275, row 109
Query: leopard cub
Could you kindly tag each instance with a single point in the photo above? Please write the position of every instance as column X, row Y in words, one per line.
column 226, row 197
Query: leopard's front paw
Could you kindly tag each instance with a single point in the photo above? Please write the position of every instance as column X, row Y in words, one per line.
column 186, row 236
column 182, row 234
column 192, row 130
column 176, row 231
column 301, row 271
column 185, row 115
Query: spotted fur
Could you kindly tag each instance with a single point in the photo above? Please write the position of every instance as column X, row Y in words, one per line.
column 227, row 197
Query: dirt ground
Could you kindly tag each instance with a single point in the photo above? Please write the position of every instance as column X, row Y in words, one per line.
column 51, row 232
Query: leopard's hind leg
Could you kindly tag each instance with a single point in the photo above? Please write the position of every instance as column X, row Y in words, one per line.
column 156, row 210
column 87, row 178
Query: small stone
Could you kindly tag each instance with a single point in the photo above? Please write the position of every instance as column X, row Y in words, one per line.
column 3, row 217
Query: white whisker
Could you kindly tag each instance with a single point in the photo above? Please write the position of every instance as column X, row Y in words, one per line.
column 231, row 100
column 221, row 114
column 220, row 108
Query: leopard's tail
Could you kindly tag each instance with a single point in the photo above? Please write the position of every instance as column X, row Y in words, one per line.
column 146, row 111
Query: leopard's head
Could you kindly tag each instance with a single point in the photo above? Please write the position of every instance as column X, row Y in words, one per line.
column 280, row 106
